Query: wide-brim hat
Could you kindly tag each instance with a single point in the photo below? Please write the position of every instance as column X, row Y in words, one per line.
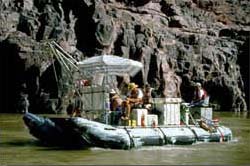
column 132, row 86
column 112, row 91
column 198, row 84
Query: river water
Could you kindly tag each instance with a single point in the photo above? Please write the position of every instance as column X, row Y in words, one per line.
column 18, row 147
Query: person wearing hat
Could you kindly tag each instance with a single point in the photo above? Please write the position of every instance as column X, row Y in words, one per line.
column 134, row 91
column 116, row 100
column 133, row 100
column 147, row 97
column 115, row 106
column 200, row 96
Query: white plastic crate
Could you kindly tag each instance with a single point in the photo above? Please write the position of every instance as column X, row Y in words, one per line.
column 137, row 115
column 171, row 114
column 152, row 120
column 170, row 108
column 207, row 113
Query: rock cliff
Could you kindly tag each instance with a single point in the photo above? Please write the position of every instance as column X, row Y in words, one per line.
column 178, row 41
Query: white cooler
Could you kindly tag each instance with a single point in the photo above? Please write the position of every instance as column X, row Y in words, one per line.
column 137, row 115
column 170, row 108
column 152, row 120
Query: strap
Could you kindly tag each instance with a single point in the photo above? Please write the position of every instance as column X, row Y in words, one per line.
column 165, row 137
column 132, row 143
column 222, row 136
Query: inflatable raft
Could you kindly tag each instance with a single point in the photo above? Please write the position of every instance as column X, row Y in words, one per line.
column 82, row 133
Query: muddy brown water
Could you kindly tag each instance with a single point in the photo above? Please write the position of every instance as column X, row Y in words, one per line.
column 18, row 147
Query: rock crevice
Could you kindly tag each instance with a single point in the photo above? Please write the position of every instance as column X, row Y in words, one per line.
column 178, row 41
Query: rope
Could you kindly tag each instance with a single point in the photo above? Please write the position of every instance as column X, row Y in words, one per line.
column 54, row 68
column 62, row 60
column 64, row 52
column 222, row 136
column 131, row 139
column 194, row 121
column 196, row 136
column 165, row 137
column 67, row 59
column 58, row 57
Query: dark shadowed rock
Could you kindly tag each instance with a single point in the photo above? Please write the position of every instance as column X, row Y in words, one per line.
column 199, row 40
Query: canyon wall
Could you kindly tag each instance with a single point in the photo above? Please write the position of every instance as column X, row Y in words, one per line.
column 180, row 42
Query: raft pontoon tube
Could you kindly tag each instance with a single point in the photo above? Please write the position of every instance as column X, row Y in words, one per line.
column 82, row 133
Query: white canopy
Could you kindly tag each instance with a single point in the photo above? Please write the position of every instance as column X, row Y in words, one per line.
column 109, row 65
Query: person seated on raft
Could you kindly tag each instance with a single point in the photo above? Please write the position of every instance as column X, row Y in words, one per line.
column 134, row 99
column 115, row 106
column 200, row 97
column 147, row 97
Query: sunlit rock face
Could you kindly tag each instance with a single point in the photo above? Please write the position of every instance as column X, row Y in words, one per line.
column 178, row 41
